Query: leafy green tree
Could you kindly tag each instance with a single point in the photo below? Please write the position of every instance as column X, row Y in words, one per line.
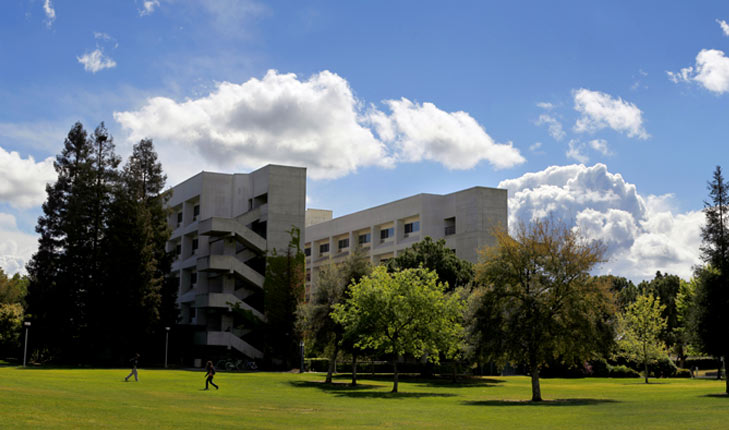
column 432, row 255
column 405, row 312
column 314, row 317
column 13, row 289
column 623, row 289
column 665, row 287
column 283, row 290
column 539, row 300
column 11, row 324
column 712, row 298
column 639, row 332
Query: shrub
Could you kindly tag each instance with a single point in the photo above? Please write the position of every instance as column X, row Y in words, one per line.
column 663, row 368
column 703, row 363
column 683, row 373
column 621, row 371
column 600, row 368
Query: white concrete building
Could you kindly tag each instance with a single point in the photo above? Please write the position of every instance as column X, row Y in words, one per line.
column 464, row 218
column 223, row 227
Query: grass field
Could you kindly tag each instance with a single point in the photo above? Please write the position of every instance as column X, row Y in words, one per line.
column 99, row 399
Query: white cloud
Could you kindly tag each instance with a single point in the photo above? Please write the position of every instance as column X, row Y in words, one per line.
column 711, row 71
column 724, row 26
column 535, row 146
column 317, row 123
column 554, row 126
column 643, row 233
column 545, row 105
column 23, row 181
column 575, row 151
column 96, row 61
column 601, row 146
column 16, row 247
column 600, row 110
column 148, row 6
column 50, row 13
column 454, row 139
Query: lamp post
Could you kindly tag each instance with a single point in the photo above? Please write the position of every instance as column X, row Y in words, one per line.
column 25, row 350
column 301, row 350
column 167, row 340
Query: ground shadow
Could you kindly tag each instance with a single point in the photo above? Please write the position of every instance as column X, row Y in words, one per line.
column 433, row 381
column 718, row 395
column 362, row 391
column 643, row 383
column 554, row 402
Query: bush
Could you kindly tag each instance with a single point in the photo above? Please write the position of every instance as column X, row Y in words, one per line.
column 683, row 373
column 663, row 368
column 621, row 371
column 703, row 363
column 600, row 368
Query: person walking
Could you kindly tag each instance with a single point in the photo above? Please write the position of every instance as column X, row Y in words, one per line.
column 134, row 362
column 209, row 373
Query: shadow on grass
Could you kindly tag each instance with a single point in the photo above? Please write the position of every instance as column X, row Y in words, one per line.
column 362, row 391
column 643, row 383
column 555, row 402
column 718, row 395
column 435, row 381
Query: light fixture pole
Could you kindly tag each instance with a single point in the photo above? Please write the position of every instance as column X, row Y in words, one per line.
column 25, row 350
column 167, row 340
column 301, row 347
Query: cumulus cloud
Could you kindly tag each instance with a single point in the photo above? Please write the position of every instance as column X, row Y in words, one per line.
column 601, row 146
column 575, row 151
column 317, row 123
column 95, row 61
column 724, row 26
column 16, row 247
column 643, row 234
column 599, row 110
column 553, row 125
column 456, row 140
column 711, row 71
column 50, row 12
column 23, row 181
column 148, row 6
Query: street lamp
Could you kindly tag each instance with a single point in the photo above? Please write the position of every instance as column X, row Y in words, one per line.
column 301, row 347
column 25, row 350
column 167, row 340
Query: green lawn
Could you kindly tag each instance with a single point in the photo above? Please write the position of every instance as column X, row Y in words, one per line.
column 99, row 399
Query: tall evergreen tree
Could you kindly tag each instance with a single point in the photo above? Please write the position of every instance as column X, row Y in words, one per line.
column 712, row 296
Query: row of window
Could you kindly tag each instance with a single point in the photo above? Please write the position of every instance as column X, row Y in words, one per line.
column 195, row 215
column 365, row 238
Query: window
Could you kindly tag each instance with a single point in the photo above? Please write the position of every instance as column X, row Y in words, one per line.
column 343, row 243
column 323, row 248
column 308, row 276
column 450, row 226
column 307, row 252
column 179, row 218
column 194, row 245
column 193, row 278
column 195, row 212
column 387, row 233
column 364, row 238
column 412, row 227
column 178, row 250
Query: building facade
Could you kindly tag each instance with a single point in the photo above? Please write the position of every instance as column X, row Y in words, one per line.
column 223, row 226
column 465, row 219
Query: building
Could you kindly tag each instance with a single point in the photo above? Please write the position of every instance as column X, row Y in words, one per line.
column 464, row 219
column 223, row 225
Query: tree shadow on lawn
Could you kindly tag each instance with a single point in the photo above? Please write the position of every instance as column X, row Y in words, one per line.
column 717, row 395
column 554, row 402
column 434, row 381
column 360, row 391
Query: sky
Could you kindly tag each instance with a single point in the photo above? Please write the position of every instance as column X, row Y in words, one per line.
column 610, row 116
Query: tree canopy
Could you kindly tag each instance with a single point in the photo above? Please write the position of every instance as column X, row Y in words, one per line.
column 436, row 256
column 639, row 331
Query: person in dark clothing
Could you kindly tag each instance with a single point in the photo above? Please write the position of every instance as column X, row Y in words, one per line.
column 209, row 373
column 134, row 362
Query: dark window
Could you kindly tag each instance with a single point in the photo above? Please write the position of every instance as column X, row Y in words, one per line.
column 193, row 311
column 323, row 248
column 387, row 232
column 450, row 226
column 193, row 278
column 178, row 249
column 343, row 243
column 307, row 252
column 194, row 244
column 179, row 218
column 412, row 227
column 308, row 276
column 195, row 212
column 364, row 238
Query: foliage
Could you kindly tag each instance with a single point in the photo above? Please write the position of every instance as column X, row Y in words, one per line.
column 11, row 324
column 283, row 291
column 666, row 287
column 622, row 371
column 431, row 255
column 623, row 289
column 639, row 332
column 539, row 301
column 405, row 312
column 14, row 289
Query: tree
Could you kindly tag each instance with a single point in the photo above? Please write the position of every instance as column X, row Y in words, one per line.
column 405, row 312
column 14, row 289
column 713, row 293
column 640, row 329
column 314, row 317
column 12, row 300
column 283, row 290
column 431, row 255
column 539, row 300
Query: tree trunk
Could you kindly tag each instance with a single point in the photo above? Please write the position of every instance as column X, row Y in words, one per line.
column 332, row 363
column 354, row 368
column 645, row 369
column 536, row 390
column 394, row 374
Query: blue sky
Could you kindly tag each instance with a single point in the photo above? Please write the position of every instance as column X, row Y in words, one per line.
column 610, row 115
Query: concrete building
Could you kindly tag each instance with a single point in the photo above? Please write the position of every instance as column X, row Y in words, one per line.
column 223, row 226
column 464, row 218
